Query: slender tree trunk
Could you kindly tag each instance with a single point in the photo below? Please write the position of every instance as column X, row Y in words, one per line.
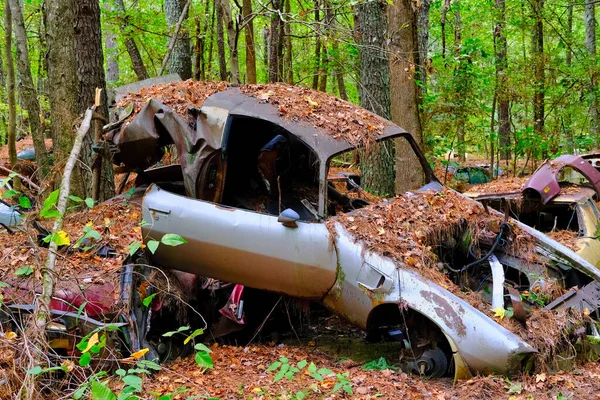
column 404, row 95
column 180, row 61
column 461, row 82
column 445, row 9
column 567, row 125
column 590, row 45
column 211, row 35
column 324, row 70
column 221, row 44
column 232, row 35
column 249, row 33
column 28, row 90
column 266, row 44
column 90, row 75
column 339, row 73
column 112, row 64
column 422, row 55
column 539, row 72
column 10, row 90
column 317, row 58
column 500, row 46
column 377, row 168
column 134, row 53
column 274, row 60
column 62, row 83
column 198, row 50
column 288, row 65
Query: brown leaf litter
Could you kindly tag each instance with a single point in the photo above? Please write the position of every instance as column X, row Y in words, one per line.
column 332, row 115
column 177, row 95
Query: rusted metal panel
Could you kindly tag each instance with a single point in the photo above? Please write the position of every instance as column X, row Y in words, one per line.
column 587, row 297
column 545, row 180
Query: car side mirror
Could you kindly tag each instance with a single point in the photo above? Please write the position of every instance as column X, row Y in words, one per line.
column 288, row 218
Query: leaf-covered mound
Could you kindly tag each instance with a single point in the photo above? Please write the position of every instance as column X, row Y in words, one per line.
column 336, row 117
column 411, row 227
column 177, row 95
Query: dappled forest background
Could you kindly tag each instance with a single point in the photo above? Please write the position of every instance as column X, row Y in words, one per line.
column 501, row 79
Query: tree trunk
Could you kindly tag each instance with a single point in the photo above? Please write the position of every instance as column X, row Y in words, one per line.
column 198, row 50
column 62, row 83
column 180, row 61
column 232, row 35
column 10, row 89
column 90, row 75
column 539, row 73
column 112, row 64
column 28, row 90
column 445, row 9
column 324, row 70
column 377, row 168
column 567, row 125
column 422, row 55
column 211, row 35
column 500, row 47
column 287, row 30
column 221, row 44
column 339, row 73
column 134, row 53
column 590, row 45
column 461, row 82
column 317, row 57
column 403, row 48
column 249, row 34
column 274, row 61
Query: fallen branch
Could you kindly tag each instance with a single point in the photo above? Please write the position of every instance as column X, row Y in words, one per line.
column 23, row 178
column 173, row 38
column 43, row 303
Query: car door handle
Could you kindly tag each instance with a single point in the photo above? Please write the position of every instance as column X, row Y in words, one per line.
column 160, row 210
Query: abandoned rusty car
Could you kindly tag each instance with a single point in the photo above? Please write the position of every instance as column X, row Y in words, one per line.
column 258, row 198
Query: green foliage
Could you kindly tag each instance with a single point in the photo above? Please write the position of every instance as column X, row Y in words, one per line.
column 379, row 365
column 148, row 300
column 203, row 358
column 24, row 271
column 283, row 369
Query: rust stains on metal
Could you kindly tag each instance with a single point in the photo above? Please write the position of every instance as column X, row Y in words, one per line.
column 452, row 317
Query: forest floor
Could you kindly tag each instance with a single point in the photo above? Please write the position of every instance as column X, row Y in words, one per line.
column 240, row 371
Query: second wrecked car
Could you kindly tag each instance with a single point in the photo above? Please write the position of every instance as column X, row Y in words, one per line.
column 265, row 197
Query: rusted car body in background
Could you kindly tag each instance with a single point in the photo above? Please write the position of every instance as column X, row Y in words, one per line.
column 560, row 196
column 243, row 226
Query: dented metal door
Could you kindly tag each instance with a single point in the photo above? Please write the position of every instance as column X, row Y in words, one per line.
column 240, row 246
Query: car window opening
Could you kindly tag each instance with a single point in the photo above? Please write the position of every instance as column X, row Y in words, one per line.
column 269, row 170
column 554, row 216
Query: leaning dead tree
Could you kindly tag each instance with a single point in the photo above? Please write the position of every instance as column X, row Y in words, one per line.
column 43, row 302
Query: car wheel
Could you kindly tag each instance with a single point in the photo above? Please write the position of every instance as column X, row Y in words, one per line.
column 431, row 364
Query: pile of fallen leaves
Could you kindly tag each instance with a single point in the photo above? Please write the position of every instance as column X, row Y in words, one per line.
column 566, row 237
column 338, row 118
column 409, row 227
column 177, row 95
column 117, row 223
column 500, row 186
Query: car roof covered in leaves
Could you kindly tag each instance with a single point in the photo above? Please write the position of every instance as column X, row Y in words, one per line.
column 327, row 124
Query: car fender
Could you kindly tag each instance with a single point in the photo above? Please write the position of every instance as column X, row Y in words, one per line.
column 483, row 344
